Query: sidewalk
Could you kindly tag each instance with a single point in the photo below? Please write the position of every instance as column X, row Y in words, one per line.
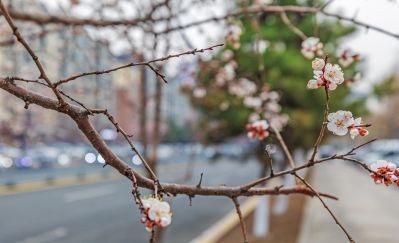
column 369, row 212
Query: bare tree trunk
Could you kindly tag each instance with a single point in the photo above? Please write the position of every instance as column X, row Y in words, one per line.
column 157, row 124
column 143, row 108
column 153, row 161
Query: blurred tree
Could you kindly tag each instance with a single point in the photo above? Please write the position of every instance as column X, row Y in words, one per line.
column 178, row 133
column 387, row 94
column 280, row 67
column 387, row 87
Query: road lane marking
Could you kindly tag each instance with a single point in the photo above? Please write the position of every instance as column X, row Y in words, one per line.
column 50, row 236
column 88, row 194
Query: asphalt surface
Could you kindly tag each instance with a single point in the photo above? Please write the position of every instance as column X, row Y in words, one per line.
column 104, row 212
column 18, row 176
column 11, row 176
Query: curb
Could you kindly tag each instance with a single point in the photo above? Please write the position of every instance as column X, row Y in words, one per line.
column 226, row 224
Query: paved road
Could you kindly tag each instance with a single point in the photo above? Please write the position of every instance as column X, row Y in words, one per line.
column 18, row 176
column 104, row 212
column 13, row 175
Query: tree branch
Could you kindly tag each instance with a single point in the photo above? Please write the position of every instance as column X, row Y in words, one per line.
column 242, row 222
column 148, row 64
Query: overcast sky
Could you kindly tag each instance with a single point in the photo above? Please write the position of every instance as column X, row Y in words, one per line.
column 381, row 51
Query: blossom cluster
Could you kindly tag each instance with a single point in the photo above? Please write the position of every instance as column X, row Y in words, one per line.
column 355, row 79
column 258, row 129
column 234, row 32
column 266, row 105
column 242, row 88
column 342, row 122
column 263, row 102
column 157, row 213
column 384, row 172
column 226, row 73
column 347, row 57
column 312, row 47
column 325, row 74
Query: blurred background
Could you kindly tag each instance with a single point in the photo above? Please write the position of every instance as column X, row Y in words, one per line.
column 54, row 186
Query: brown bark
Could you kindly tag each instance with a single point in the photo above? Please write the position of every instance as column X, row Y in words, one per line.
column 157, row 125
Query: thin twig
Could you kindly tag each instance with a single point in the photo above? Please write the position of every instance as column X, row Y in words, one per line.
column 292, row 27
column 27, row 47
column 148, row 64
column 128, row 140
column 200, row 180
column 351, row 152
column 77, row 102
column 242, row 223
column 284, row 146
column 277, row 9
column 324, row 124
column 311, row 162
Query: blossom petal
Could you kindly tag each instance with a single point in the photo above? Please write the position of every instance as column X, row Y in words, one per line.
column 166, row 220
column 163, row 207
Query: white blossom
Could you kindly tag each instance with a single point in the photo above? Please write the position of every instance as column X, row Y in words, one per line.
column 273, row 107
column 253, row 117
column 227, row 55
column 333, row 73
column 317, row 80
column 339, row 122
column 229, row 70
column 332, row 86
column 384, row 172
column 273, row 95
column 313, row 84
column 356, row 129
column 347, row 57
column 160, row 212
column 279, row 121
column 149, row 202
column 157, row 213
column 356, row 78
column 258, row 129
column 263, row 2
column 244, row 87
column 260, row 46
column 318, row 64
column 253, row 102
column 233, row 35
column 262, row 124
column 199, row 92
column 312, row 47
column 270, row 149
column 264, row 95
column 226, row 73
column 354, row 133
column 382, row 164
column 248, row 86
